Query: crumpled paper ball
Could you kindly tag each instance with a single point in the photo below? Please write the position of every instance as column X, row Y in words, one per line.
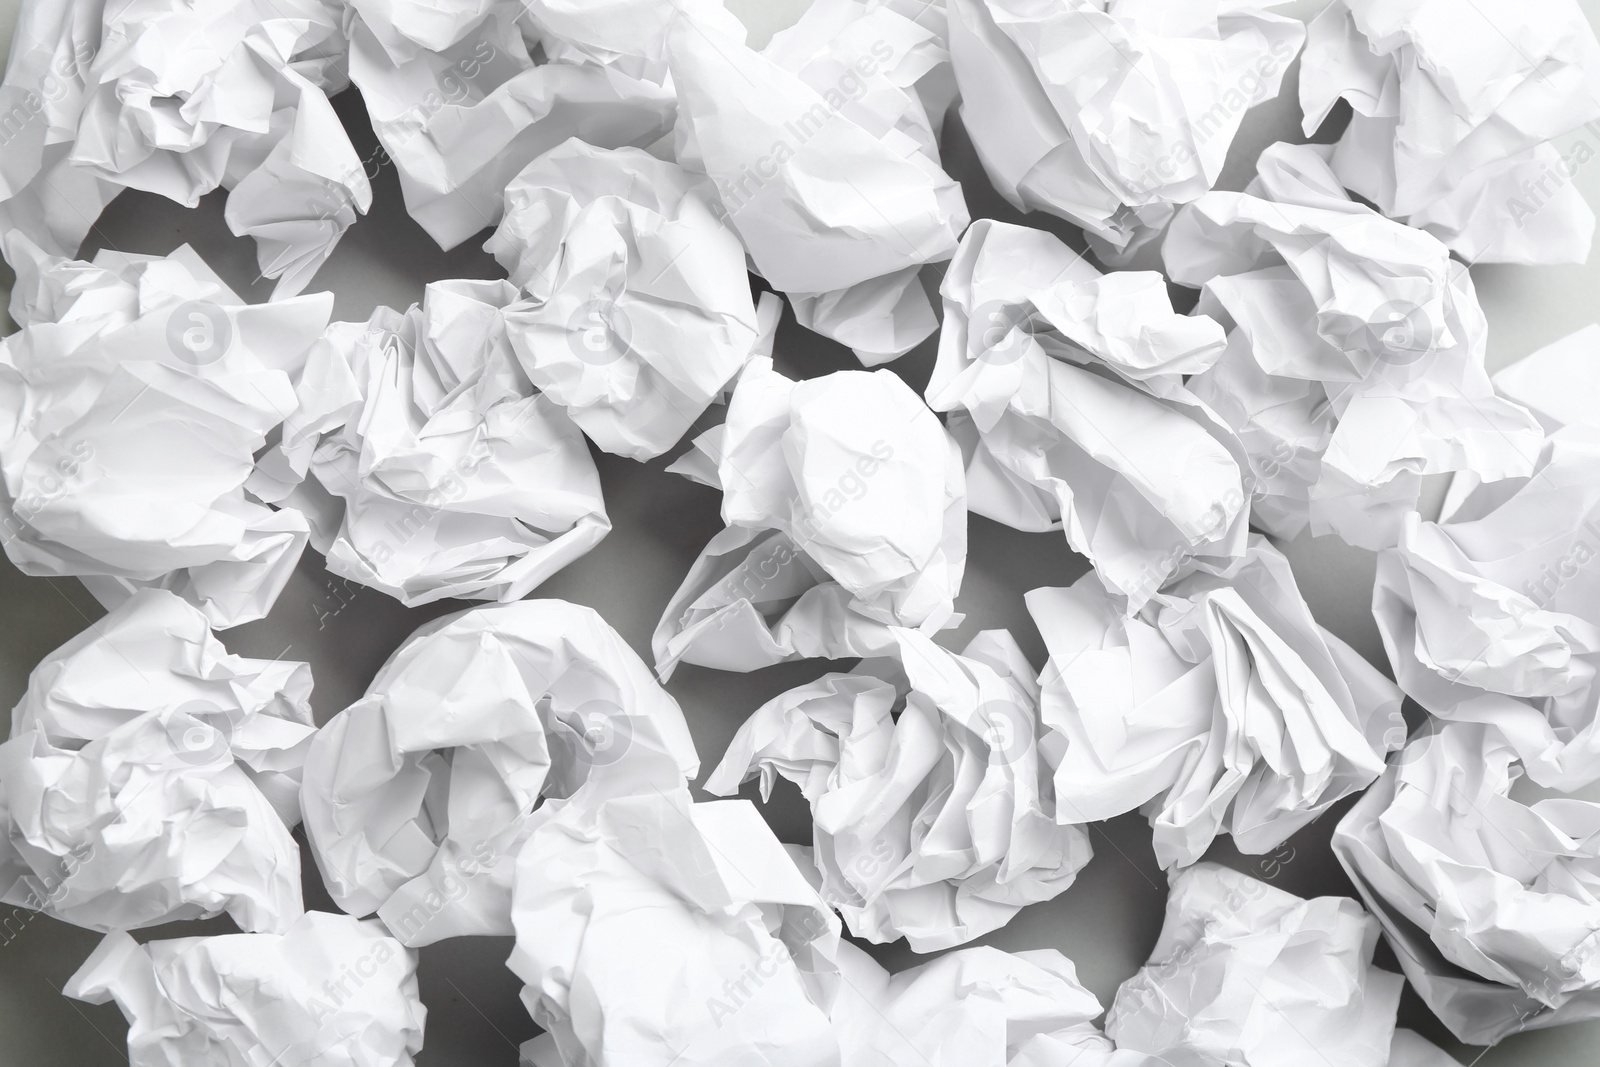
column 738, row 963
column 151, row 776
column 178, row 99
column 327, row 992
column 1221, row 706
column 1065, row 390
column 1488, row 613
column 1247, row 975
column 824, row 150
column 627, row 36
column 1451, row 124
column 436, row 469
column 638, row 307
column 846, row 509
column 1109, row 113
column 461, row 103
column 417, row 796
column 139, row 391
column 1490, row 898
column 933, row 816
column 1355, row 358
column 979, row 1007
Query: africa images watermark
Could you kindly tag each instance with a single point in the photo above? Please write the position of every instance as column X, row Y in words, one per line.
column 449, row 490
column 54, row 888
column 333, row 200
column 850, row 486
column 735, row 193
column 1247, row 91
column 53, row 87
column 740, row 990
column 1535, row 193
column 449, row 889
column 51, row 485
column 1554, row 576
column 455, row 87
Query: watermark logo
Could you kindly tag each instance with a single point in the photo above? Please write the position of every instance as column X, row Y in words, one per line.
column 1554, row 576
column 1008, row 729
column 1273, row 864
column 599, row 332
column 200, row 733
column 48, row 487
column 1535, row 193
column 736, row 191
column 452, row 886
column 779, row 957
column 44, row 891
column 1004, row 331
column 605, row 733
column 866, row 870
column 199, row 332
column 1400, row 333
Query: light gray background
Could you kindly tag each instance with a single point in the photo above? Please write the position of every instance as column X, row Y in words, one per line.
column 1107, row 922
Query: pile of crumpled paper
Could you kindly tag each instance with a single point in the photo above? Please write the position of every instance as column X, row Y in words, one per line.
column 1181, row 348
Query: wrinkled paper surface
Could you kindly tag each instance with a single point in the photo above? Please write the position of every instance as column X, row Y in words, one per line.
column 1490, row 900
column 639, row 307
column 1065, row 390
column 417, row 797
column 461, row 105
column 1355, row 356
column 846, row 510
column 929, row 794
column 652, row 930
column 178, row 99
column 435, row 468
column 1222, row 706
column 1487, row 614
column 327, row 992
column 151, row 776
column 824, row 153
column 1110, row 113
column 137, row 394
column 1245, row 973
column 1453, row 115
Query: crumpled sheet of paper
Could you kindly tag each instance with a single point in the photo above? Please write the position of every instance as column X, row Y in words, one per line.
column 825, row 154
column 1065, row 390
column 627, row 36
column 152, row 776
column 1488, row 614
column 638, row 308
column 178, row 99
column 436, row 469
column 978, row 1007
column 460, row 104
column 327, row 992
column 932, row 814
column 1109, row 114
column 417, row 797
column 136, row 395
column 1247, row 975
column 1490, row 901
column 846, row 509
column 1221, row 706
column 738, row 947
column 1454, row 109
column 1355, row 358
